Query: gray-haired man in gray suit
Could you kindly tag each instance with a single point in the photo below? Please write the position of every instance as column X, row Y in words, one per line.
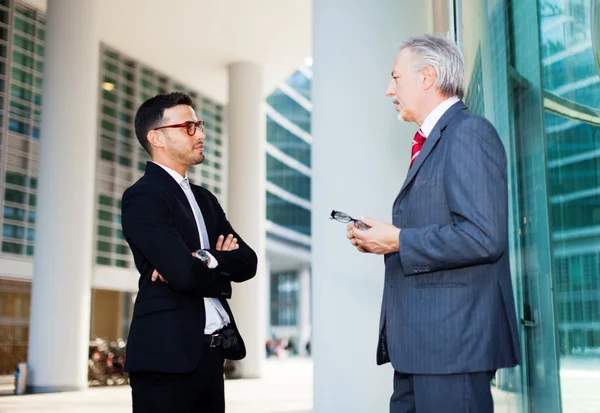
column 448, row 314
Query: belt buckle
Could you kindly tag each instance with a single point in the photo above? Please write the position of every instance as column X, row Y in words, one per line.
column 215, row 340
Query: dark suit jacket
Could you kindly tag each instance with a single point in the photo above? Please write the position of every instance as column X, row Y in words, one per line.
column 448, row 303
column 167, row 329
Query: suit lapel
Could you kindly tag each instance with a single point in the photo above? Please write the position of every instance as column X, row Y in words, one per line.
column 166, row 181
column 430, row 143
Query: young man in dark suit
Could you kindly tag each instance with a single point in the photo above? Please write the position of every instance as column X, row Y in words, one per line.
column 448, row 317
column 187, row 254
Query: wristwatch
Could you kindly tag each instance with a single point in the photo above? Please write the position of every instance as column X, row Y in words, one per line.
column 202, row 256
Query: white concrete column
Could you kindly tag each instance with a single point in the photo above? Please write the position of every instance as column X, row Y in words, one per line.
column 60, row 296
column 305, row 328
column 267, row 281
column 246, row 203
column 360, row 157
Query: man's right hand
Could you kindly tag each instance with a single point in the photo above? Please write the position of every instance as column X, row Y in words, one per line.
column 227, row 244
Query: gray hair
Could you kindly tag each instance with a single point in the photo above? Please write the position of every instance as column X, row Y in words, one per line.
column 444, row 56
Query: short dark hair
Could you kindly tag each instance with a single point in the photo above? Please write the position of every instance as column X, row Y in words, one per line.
column 150, row 114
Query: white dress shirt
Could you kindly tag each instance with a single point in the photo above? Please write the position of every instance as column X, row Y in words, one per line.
column 216, row 316
column 436, row 114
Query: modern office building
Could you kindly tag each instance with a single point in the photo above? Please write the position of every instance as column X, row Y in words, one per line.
column 72, row 73
column 288, row 192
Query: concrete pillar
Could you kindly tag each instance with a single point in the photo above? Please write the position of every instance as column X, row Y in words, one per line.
column 267, row 281
column 305, row 328
column 360, row 158
column 246, row 200
column 60, row 296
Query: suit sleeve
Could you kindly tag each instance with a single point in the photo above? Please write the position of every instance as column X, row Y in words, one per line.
column 148, row 228
column 237, row 265
column 476, row 192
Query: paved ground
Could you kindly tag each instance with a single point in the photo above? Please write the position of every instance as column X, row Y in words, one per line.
column 285, row 388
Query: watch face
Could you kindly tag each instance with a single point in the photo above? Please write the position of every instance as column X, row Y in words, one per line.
column 203, row 255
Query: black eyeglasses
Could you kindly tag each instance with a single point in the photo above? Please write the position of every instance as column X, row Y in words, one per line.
column 345, row 218
column 190, row 125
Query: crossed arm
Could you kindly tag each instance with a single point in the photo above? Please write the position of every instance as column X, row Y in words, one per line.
column 158, row 246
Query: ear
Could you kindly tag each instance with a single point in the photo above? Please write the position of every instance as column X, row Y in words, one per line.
column 429, row 77
column 155, row 139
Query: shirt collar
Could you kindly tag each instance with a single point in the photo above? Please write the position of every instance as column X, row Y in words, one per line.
column 436, row 115
column 178, row 178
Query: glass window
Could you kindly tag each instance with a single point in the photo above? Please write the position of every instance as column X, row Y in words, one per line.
column 18, row 126
column 13, row 231
column 105, row 215
column 24, row 26
column 103, row 260
column 288, row 178
column 288, row 215
column 287, row 142
column 22, row 76
column 291, row 109
column 14, row 214
column 285, row 295
column 104, row 246
column 300, row 83
column 105, row 231
column 12, row 248
column 24, row 43
column 23, row 60
column 12, row 195
column 16, row 178
column 20, row 93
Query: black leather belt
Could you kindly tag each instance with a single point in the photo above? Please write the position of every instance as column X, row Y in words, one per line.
column 213, row 340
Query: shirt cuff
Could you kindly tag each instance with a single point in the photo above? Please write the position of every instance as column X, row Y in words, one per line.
column 213, row 261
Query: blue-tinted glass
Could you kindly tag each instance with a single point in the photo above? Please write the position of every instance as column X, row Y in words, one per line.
column 15, row 214
column 287, row 142
column 291, row 109
column 300, row 83
column 288, row 215
column 288, row 178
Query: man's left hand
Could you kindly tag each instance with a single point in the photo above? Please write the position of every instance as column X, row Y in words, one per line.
column 381, row 238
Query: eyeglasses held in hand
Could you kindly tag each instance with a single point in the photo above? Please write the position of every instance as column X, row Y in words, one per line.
column 345, row 218
column 190, row 125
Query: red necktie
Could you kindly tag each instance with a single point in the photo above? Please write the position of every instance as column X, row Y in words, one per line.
column 418, row 142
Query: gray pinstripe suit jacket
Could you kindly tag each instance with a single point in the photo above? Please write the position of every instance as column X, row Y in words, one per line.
column 448, row 303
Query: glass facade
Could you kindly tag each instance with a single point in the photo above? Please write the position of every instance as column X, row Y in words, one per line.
column 288, row 107
column 125, row 84
column 288, row 154
column 21, row 72
column 285, row 297
column 288, row 165
column 532, row 69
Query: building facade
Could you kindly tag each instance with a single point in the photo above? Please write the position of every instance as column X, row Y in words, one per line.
column 288, row 200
